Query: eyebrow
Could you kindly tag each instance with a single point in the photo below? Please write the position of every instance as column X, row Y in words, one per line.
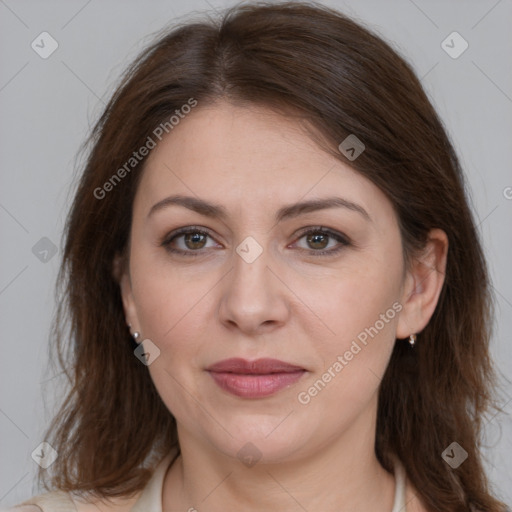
column 286, row 212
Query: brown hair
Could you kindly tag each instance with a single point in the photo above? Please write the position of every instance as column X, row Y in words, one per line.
column 315, row 62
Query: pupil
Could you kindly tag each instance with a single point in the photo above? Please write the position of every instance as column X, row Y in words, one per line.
column 318, row 241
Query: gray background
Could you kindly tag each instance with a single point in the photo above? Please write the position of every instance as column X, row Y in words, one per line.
column 48, row 105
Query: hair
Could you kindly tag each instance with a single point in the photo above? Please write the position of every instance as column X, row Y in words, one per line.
column 313, row 62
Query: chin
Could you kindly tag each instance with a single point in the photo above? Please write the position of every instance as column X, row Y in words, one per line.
column 264, row 440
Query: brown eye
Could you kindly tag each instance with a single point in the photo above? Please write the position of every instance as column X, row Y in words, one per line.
column 189, row 241
column 195, row 240
column 322, row 241
column 318, row 240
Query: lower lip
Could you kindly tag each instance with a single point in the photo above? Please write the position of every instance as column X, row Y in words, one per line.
column 255, row 386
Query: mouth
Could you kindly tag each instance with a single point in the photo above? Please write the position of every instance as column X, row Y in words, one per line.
column 254, row 379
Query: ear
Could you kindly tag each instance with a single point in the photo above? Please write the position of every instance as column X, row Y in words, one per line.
column 121, row 274
column 423, row 284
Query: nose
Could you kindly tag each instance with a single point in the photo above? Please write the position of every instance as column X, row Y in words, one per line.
column 254, row 299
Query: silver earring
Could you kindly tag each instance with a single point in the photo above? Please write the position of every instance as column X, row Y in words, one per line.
column 412, row 339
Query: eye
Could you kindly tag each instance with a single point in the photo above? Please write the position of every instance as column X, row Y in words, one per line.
column 193, row 241
column 190, row 241
column 322, row 241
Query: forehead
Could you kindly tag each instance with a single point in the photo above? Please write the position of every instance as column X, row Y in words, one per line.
column 227, row 135
column 251, row 155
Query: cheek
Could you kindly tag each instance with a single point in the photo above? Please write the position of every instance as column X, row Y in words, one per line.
column 167, row 298
column 174, row 309
column 360, row 307
column 171, row 314
column 352, row 300
column 175, row 322
column 354, row 358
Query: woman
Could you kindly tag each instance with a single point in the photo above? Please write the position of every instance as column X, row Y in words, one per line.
column 276, row 292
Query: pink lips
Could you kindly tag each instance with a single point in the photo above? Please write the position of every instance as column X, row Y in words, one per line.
column 254, row 379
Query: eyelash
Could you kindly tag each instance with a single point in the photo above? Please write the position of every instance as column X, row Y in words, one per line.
column 341, row 239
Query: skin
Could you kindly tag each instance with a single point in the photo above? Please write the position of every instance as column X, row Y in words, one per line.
column 290, row 304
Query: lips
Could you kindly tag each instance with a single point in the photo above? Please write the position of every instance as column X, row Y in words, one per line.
column 258, row 366
column 254, row 379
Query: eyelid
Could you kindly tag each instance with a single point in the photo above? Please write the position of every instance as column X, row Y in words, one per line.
column 324, row 229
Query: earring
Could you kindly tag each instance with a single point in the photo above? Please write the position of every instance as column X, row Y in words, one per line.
column 135, row 335
column 412, row 339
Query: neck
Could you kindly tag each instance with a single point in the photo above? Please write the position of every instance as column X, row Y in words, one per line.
column 342, row 475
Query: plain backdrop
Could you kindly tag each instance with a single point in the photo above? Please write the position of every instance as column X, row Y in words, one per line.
column 47, row 106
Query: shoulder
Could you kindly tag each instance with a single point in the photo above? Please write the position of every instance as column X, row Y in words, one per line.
column 22, row 508
column 113, row 505
column 58, row 501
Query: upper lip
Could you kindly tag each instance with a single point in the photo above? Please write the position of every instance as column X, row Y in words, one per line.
column 258, row 366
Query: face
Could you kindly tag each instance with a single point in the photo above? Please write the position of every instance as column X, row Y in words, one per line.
column 238, row 270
